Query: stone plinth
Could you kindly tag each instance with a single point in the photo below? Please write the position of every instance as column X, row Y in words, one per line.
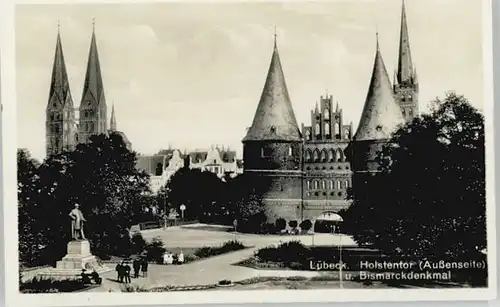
column 77, row 259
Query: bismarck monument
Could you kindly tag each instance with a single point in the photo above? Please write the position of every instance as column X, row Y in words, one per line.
column 78, row 255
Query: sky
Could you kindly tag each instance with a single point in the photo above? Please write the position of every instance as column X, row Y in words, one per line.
column 189, row 75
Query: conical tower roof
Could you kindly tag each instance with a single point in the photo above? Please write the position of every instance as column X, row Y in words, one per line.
column 381, row 115
column 274, row 119
column 405, row 63
column 93, row 79
column 59, row 85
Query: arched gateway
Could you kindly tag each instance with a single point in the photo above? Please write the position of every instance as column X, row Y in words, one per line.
column 328, row 222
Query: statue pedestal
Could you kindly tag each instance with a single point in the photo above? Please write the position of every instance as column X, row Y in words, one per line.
column 77, row 259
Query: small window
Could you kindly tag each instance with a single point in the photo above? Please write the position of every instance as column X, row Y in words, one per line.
column 327, row 114
column 315, row 184
column 308, row 156
column 315, row 156
column 327, row 128
column 318, row 128
column 338, row 185
column 324, row 193
column 308, row 135
column 308, row 184
column 339, row 194
column 290, row 151
column 323, row 184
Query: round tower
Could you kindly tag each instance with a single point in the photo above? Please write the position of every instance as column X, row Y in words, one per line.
column 272, row 148
column 380, row 118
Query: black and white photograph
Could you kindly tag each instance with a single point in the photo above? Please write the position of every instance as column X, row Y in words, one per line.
column 302, row 151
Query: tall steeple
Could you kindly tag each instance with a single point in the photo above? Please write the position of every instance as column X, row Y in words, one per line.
column 112, row 122
column 405, row 82
column 381, row 115
column 405, row 64
column 93, row 109
column 60, row 117
column 274, row 118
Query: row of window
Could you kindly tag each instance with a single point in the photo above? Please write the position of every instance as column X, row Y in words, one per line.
column 309, row 194
column 408, row 112
column 331, row 155
column 324, row 168
column 327, row 184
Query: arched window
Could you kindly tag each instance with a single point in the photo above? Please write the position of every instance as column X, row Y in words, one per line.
column 290, row 151
column 346, row 134
column 327, row 128
column 315, row 184
column 323, row 184
column 315, row 156
column 56, row 128
column 331, row 184
column 317, row 130
column 308, row 156
column 323, row 156
column 308, row 135
column 338, row 185
column 404, row 112
column 338, row 157
column 346, row 184
column 308, row 184
column 327, row 114
column 337, row 130
column 409, row 97
column 330, row 155
column 410, row 112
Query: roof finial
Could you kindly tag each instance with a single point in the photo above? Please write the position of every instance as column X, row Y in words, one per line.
column 378, row 46
column 275, row 36
column 93, row 24
column 58, row 25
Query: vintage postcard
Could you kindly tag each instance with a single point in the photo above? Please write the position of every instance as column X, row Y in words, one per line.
column 259, row 151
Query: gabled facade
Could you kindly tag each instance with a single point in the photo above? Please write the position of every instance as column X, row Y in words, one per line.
column 327, row 172
column 60, row 124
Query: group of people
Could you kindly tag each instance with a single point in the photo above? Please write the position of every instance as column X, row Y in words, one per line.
column 88, row 278
column 170, row 258
column 123, row 269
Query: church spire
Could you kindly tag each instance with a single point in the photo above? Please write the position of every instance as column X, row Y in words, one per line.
column 59, row 85
column 381, row 115
column 112, row 121
column 93, row 88
column 405, row 64
column 274, row 118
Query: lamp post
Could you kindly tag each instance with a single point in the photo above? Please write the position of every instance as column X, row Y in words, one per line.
column 340, row 253
column 183, row 208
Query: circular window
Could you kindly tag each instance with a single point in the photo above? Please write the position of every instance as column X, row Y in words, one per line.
column 331, row 194
column 339, row 194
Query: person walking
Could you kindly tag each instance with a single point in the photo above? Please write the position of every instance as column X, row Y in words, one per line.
column 127, row 273
column 119, row 272
column 136, row 264
column 144, row 267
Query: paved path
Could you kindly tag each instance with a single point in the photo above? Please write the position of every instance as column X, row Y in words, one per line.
column 214, row 269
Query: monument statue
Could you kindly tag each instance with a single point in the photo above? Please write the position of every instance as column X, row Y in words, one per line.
column 77, row 220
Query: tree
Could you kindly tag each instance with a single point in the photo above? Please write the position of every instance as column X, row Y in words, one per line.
column 428, row 200
column 305, row 225
column 280, row 224
column 101, row 176
column 250, row 208
column 32, row 239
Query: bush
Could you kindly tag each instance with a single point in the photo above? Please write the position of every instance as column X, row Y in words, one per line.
column 293, row 224
column 227, row 247
column 268, row 228
column 287, row 253
column 280, row 224
column 138, row 243
column 49, row 285
column 155, row 250
column 306, row 225
column 224, row 282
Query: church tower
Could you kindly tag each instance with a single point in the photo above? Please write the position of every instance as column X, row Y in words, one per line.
column 380, row 118
column 60, row 124
column 405, row 78
column 93, row 110
column 272, row 148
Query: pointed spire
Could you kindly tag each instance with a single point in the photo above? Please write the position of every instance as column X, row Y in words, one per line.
column 274, row 118
column 59, row 85
column 405, row 64
column 337, row 108
column 93, row 87
column 381, row 115
column 316, row 108
column 112, row 122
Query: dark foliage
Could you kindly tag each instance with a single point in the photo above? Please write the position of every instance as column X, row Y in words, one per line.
column 305, row 225
column 428, row 200
column 138, row 243
column 227, row 247
column 288, row 252
column 155, row 250
column 41, row 285
column 280, row 224
column 293, row 224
